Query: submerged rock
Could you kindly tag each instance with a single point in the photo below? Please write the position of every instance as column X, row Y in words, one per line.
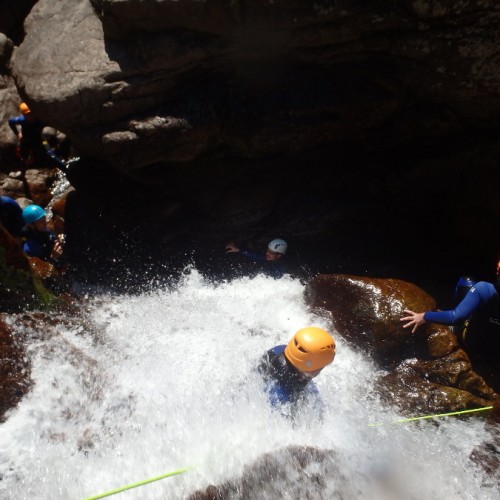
column 301, row 471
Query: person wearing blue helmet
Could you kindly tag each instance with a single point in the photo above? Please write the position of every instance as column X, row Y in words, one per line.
column 11, row 216
column 273, row 262
column 478, row 314
column 39, row 241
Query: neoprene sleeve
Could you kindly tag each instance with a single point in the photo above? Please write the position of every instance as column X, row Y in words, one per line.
column 478, row 295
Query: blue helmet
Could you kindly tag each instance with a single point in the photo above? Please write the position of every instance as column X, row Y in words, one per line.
column 32, row 213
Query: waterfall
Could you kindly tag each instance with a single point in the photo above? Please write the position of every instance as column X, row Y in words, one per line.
column 152, row 382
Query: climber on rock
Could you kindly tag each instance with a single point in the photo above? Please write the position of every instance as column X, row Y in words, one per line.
column 477, row 314
column 34, row 150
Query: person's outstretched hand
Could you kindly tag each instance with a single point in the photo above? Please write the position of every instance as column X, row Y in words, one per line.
column 232, row 248
column 414, row 319
column 57, row 250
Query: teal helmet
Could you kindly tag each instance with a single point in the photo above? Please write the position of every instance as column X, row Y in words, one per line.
column 32, row 213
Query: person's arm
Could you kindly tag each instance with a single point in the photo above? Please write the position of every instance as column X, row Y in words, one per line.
column 233, row 248
column 57, row 251
column 13, row 124
column 465, row 309
column 258, row 257
column 32, row 248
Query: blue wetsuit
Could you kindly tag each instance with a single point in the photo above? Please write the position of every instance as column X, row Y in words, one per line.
column 32, row 142
column 479, row 295
column 40, row 244
column 274, row 268
column 284, row 383
column 11, row 216
column 478, row 315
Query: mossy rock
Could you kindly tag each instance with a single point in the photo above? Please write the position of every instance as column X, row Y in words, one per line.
column 19, row 288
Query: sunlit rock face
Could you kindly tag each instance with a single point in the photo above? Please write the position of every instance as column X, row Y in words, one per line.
column 427, row 370
column 326, row 119
column 135, row 83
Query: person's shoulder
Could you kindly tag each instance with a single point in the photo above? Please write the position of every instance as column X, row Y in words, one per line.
column 6, row 200
column 17, row 119
column 276, row 350
column 483, row 285
column 485, row 289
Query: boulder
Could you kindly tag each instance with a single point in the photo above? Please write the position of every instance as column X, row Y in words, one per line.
column 172, row 80
column 302, row 469
column 428, row 371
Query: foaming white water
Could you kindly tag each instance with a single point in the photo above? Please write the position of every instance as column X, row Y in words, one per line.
column 169, row 381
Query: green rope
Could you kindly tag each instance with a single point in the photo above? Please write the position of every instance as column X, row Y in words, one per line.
column 434, row 416
column 140, row 483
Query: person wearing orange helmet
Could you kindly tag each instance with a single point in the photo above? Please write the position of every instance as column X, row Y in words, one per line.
column 289, row 370
column 34, row 150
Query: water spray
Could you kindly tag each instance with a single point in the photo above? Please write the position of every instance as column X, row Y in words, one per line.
column 140, row 483
column 412, row 419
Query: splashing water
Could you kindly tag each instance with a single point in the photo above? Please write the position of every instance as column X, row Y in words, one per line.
column 167, row 379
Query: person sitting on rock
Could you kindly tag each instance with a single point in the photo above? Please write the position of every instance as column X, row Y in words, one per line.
column 39, row 241
column 479, row 314
column 34, row 150
column 288, row 370
column 272, row 258
column 11, row 216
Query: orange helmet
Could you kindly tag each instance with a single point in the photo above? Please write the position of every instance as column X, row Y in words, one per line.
column 24, row 108
column 310, row 349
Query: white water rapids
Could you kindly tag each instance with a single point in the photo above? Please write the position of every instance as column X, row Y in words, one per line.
column 154, row 382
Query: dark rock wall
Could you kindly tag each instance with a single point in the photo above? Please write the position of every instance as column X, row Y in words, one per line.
column 364, row 132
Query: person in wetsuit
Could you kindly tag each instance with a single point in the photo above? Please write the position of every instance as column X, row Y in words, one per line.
column 289, row 370
column 478, row 313
column 11, row 216
column 33, row 147
column 273, row 259
column 39, row 241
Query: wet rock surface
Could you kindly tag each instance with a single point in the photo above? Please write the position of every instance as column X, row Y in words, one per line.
column 20, row 288
column 428, row 371
column 273, row 472
column 14, row 370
